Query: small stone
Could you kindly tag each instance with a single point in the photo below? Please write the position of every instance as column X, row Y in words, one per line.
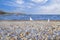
column 57, row 37
column 46, row 38
column 24, row 38
column 0, row 36
column 30, row 39
column 21, row 35
column 7, row 37
column 50, row 32
column 12, row 38
column 27, row 33
column 34, row 38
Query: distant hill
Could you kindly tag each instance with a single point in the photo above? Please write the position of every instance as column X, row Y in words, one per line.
column 3, row 13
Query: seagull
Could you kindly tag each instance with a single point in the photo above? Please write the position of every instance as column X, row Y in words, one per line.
column 31, row 19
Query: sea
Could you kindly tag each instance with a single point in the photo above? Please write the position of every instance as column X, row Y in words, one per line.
column 28, row 16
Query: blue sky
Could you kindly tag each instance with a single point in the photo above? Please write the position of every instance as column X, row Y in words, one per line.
column 31, row 6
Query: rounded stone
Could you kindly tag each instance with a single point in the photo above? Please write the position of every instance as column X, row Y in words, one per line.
column 21, row 35
column 24, row 38
column 27, row 33
column 12, row 38
column 0, row 36
column 7, row 37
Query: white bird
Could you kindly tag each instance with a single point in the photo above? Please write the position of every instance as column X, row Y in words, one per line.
column 31, row 19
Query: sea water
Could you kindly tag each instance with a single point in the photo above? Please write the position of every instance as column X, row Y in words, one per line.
column 27, row 17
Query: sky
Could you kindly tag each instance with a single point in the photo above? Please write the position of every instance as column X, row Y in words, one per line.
column 31, row 6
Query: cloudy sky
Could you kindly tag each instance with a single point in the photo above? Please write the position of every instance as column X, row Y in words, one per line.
column 31, row 6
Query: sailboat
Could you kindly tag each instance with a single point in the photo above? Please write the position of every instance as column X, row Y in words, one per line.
column 31, row 19
column 48, row 20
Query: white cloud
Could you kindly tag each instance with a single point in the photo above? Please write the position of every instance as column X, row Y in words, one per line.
column 20, row 1
column 40, row 1
column 19, row 4
column 37, row 1
column 54, row 8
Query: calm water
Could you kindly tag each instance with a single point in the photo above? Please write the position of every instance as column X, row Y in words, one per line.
column 27, row 17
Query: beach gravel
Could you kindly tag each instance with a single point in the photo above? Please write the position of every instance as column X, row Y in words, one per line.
column 29, row 30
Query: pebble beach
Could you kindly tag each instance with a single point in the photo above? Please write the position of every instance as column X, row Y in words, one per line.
column 30, row 30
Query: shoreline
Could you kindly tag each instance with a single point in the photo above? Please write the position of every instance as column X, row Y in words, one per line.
column 29, row 20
